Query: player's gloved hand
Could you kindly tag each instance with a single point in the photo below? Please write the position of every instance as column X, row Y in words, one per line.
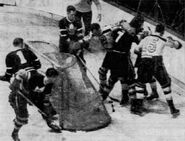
column 87, row 38
column 5, row 78
column 74, row 47
column 15, row 85
column 46, row 100
column 178, row 45
column 103, row 40
column 39, row 90
column 144, row 34
column 80, row 41
column 169, row 38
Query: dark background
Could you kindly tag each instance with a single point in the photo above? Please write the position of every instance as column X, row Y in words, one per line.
column 170, row 12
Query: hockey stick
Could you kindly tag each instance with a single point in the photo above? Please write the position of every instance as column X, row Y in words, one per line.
column 112, row 105
column 112, row 98
column 29, row 101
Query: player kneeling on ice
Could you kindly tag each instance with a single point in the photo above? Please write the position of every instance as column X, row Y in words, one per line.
column 29, row 86
column 71, row 36
column 151, row 65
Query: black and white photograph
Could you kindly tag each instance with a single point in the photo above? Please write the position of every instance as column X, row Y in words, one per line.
column 92, row 70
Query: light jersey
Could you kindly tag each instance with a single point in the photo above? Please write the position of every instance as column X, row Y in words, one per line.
column 85, row 5
column 152, row 45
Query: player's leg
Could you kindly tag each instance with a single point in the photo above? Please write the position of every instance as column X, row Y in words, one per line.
column 87, row 18
column 79, row 15
column 163, row 78
column 154, row 93
column 21, row 116
column 145, row 74
column 110, row 85
column 102, row 78
column 46, row 107
column 125, row 97
column 48, row 117
column 128, row 78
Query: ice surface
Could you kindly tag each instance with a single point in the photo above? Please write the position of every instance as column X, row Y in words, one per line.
column 124, row 126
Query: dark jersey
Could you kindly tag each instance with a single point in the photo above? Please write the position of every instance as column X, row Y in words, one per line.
column 37, row 80
column 122, row 40
column 71, row 30
column 27, row 81
column 118, row 57
column 21, row 59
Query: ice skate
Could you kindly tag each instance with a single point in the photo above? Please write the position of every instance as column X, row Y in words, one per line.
column 153, row 96
column 15, row 136
column 175, row 113
column 54, row 127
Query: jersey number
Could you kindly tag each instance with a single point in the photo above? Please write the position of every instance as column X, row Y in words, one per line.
column 120, row 34
column 21, row 56
column 152, row 46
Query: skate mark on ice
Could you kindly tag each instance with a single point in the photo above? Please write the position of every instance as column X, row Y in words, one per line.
column 156, row 106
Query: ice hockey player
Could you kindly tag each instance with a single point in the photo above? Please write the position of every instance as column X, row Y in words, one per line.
column 71, row 34
column 152, row 65
column 20, row 58
column 97, row 32
column 154, row 94
column 84, row 12
column 29, row 85
column 117, row 59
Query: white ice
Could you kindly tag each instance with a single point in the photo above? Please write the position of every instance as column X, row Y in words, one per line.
column 124, row 126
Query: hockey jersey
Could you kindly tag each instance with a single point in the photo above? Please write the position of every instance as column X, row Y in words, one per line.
column 21, row 59
column 118, row 56
column 71, row 30
column 153, row 45
column 28, row 81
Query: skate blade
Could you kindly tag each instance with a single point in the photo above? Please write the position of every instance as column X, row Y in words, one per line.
column 138, row 114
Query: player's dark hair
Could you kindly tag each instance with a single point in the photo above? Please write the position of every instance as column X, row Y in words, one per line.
column 95, row 26
column 137, row 21
column 18, row 41
column 51, row 72
column 160, row 28
column 70, row 8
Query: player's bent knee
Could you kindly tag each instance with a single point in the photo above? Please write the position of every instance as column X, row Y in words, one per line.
column 140, row 88
column 167, row 90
